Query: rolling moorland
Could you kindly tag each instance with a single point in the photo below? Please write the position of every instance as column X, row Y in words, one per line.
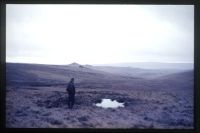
column 154, row 98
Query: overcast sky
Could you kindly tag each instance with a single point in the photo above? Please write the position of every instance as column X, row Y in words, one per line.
column 95, row 34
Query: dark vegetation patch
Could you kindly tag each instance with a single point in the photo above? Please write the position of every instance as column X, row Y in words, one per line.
column 53, row 121
column 60, row 99
column 20, row 113
column 54, row 101
column 83, row 118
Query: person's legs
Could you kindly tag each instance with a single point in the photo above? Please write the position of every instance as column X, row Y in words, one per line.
column 69, row 101
column 72, row 101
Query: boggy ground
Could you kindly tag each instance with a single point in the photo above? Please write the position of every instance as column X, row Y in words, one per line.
column 46, row 107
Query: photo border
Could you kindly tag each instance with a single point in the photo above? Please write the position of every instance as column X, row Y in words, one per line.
column 196, row 4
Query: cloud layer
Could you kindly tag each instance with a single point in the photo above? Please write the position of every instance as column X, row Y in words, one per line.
column 94, row 34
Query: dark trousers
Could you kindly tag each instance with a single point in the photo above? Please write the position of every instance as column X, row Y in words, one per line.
column 71, row 100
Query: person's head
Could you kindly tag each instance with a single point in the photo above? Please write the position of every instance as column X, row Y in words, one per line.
column 72, row 80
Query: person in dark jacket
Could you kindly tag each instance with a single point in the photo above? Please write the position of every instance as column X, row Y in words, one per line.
column 71, row 93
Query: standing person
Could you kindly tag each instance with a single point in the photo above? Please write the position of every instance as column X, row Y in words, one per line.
column 71, row 93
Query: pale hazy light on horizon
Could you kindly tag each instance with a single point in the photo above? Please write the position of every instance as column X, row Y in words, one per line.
column 99, row 34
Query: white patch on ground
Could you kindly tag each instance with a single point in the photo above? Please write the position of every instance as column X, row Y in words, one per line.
column 107, row 103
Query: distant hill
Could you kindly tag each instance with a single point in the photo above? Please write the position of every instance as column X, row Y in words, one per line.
column 183, row 80
column 87, row 76
column 38, row 74
column 136, row 72
column 153, row 65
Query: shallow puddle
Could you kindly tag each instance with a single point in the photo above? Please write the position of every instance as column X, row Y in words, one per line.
column 108, row 103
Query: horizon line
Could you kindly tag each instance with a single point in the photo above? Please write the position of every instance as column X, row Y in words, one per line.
column 99, row 63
